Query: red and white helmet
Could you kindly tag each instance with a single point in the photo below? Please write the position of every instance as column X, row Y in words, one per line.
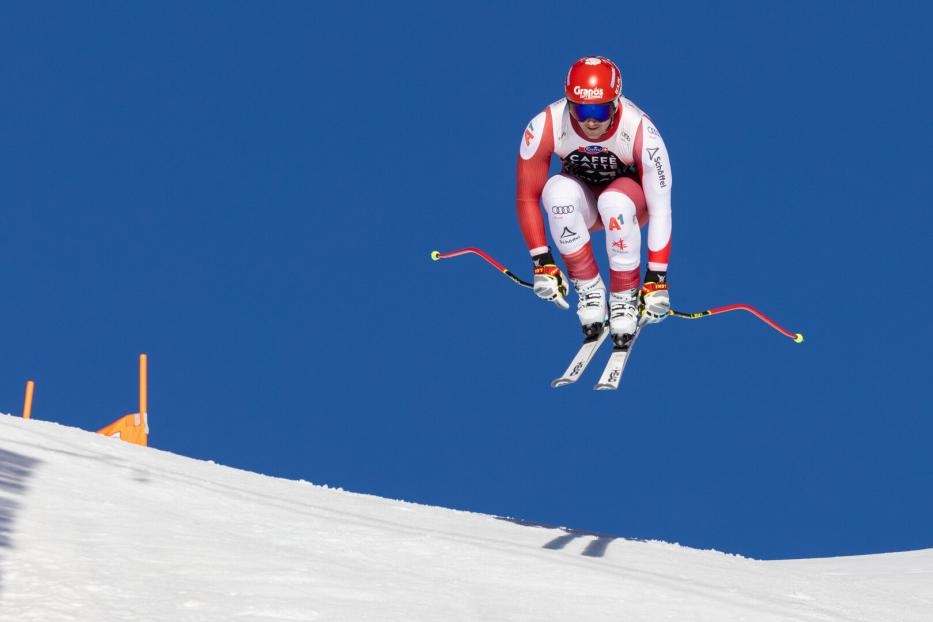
column 593, row 80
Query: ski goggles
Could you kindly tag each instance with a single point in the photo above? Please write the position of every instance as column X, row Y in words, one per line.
column 600, row 112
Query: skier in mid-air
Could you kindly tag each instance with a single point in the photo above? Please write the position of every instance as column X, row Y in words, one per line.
column 615, row 175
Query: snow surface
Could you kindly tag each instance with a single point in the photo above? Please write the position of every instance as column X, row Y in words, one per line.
column 97, row 529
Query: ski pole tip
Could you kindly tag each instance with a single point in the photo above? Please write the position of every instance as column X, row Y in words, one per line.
column 435, row 255
column 798, row 338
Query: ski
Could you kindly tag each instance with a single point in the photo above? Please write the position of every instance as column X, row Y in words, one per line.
column 612, row 373
column 581, row 359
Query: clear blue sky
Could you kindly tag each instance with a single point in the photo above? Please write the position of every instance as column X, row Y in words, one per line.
column 249, row 192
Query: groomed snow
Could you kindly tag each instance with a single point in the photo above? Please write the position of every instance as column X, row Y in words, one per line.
column 95, row 529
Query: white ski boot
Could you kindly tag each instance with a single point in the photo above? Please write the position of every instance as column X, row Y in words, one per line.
column 623, row 316
column 591, row 307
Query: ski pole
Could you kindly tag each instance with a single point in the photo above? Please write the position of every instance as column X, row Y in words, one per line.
column 797, row 337
column 435, row 255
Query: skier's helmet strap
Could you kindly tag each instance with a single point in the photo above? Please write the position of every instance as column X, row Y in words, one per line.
column 593, row 80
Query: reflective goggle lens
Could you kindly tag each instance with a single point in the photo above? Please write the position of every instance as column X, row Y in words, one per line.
column 599, row 112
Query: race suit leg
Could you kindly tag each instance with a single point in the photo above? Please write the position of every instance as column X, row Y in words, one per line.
column 571, row 212
column 623, row 210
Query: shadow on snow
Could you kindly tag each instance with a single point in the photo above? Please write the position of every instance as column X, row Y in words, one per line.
column 596, row 548
column 15, row 470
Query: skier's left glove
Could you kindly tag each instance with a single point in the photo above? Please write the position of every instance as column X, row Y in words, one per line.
column 655, row 299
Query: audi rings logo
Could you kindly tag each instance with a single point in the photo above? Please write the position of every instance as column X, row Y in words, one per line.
column 561, row 209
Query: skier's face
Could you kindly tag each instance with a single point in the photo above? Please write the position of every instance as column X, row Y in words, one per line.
column 593, row 129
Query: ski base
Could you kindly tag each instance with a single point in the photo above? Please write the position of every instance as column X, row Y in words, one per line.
column 581, row 360
column 612, row 373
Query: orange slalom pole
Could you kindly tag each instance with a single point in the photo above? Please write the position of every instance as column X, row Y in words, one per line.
column 143, row 389
column 27, row 405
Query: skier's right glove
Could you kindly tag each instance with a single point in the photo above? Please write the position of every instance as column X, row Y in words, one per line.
column 550, row 282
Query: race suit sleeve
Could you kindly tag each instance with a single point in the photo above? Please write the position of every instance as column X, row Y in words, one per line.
column 534, row 158
column 654, row 169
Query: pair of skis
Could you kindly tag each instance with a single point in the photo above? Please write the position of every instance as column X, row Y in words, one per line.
column 612, row 372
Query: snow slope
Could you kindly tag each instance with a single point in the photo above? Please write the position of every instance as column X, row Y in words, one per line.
column 92, row 528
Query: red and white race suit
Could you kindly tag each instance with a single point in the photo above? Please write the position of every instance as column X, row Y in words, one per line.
column 617, row 182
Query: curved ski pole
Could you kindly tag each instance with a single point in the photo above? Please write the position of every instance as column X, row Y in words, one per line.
column 797, row 337
column 435, row 255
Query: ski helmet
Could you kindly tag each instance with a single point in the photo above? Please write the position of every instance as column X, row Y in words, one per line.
column 593, row 80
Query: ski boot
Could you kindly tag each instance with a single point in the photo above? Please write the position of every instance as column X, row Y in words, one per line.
column 623, row 317
column 591, row 306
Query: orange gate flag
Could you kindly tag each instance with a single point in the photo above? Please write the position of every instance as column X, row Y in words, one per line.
column 134, row 428
column 127, row 429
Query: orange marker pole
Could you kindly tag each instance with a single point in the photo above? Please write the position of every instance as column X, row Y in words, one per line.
column 143, row 390
column 27, row 405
